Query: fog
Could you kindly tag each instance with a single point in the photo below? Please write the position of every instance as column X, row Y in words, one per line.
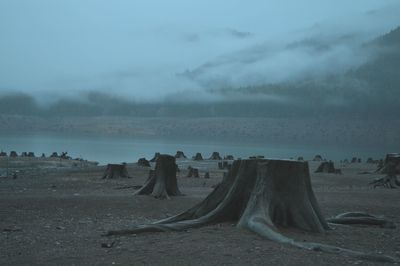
column 152, row 51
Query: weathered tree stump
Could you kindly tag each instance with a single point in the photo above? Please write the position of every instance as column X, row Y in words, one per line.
column 163, row 183
column 116, row 171
column 143, row 162
column 193, row 172
column 261, row 196
column 13, row 154
column 215, row 156
column 198, row 157
column 155, row 157
column 180, row 155
column 326, row 167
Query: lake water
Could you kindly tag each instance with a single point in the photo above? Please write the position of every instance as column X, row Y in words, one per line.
column 117, row 150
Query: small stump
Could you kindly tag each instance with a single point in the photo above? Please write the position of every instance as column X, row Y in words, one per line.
column 143, row 162
column 327, row 167
column 215, row 156
column 180, row 155
column 115, row 171
column 162, row 183
column 193, row 172
column 198, row 157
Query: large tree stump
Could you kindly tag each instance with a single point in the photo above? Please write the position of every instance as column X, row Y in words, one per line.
column 261, row 196
column 116, row 171
column 163, row 183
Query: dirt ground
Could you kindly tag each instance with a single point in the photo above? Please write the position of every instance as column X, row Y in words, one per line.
column 55, row 215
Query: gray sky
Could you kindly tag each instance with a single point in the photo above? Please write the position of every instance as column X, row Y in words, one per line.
column 138, row 49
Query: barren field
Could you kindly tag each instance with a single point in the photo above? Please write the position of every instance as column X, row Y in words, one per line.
column 55, row 214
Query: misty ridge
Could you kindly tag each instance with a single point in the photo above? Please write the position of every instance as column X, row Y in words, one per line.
column 368, row 87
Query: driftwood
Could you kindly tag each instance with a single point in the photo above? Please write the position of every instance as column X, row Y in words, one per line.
column 361, row 218
column 260, row 196
column 116, row 171
column 162, row 182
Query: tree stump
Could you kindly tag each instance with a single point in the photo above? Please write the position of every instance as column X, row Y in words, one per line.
column 261, row 196
column 193, row 172
column 143, row 162
column 318, row 158
column 198, row 157
column 116, row 171
column 163, row 183
column 215, row 156
column 180, row 155
column 155, row 157
column 326, row 167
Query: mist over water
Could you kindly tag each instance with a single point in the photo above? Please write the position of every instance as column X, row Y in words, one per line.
column 152, row 51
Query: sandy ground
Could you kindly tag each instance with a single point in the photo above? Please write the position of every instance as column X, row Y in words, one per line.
column 56, row 215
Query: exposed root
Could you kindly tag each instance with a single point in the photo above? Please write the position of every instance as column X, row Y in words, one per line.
column 386, row 182
column 361, row 218
column 261, row 195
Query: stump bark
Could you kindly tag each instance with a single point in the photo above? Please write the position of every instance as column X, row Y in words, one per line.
column 116, row 171
column 162, row 183
column 261, row 196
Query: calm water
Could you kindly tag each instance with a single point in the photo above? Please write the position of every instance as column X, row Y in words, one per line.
column 116, row 150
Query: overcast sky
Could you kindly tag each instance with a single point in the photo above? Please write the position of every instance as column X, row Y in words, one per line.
column 140, row 48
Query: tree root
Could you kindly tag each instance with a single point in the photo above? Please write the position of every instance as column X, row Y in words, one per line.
column 361, row 218
column 386, row 182
column 260, row 195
